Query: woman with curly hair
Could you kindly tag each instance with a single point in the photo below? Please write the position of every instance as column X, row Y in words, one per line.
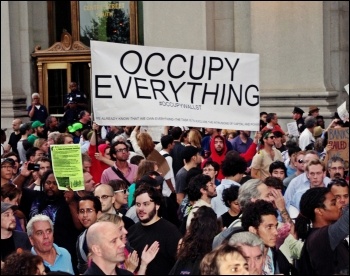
column 196, row 243
column 23, row 263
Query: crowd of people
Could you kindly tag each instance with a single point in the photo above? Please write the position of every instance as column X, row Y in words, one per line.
column 199, row 201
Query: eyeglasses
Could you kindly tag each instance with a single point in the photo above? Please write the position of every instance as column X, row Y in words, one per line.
column 272, row 137
column 337, row 168
column 104, row 197
column 48, row 182
column 122, row 150
column 208, row 170
column 301, row 161
column 87, row 211
column 118, row 191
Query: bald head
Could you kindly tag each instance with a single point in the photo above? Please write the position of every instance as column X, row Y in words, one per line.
column 105, row 188
column 105, row 194
column 105, row 244
column 95, row 233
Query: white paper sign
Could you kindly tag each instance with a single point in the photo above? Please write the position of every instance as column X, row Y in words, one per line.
column 153, row 86
column 343, row 112
column 292, row 129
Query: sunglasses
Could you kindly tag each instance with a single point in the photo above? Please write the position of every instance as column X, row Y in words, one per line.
column 300, row 161
column 272, row 137
column 118, row 191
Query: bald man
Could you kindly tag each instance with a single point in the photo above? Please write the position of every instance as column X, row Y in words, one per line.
column 105, row 194
column 106, row 248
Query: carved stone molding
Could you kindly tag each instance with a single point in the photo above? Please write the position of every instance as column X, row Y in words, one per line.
column 66, row 47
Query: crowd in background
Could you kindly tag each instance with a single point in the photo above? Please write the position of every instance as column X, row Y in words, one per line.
column 198, row 201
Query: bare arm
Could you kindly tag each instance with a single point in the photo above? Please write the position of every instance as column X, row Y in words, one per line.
column 31, row 112
column 72, row 204
column 22, row 177
column 179, row 197
column 170, row 185
column 254, row 173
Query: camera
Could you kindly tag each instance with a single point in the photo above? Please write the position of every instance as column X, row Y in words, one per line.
column 33, row 167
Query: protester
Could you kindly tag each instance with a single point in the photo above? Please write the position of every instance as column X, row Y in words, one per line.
column 229, row 197
column 252, row 249
column 224, row 260
column 260, row 218
column 15, row 136
column 89, row 209
column 196, row 242
column 23, row 263
column 40, row 232
column 121, row 169
column 324, row 226
column 12, row 195
column 267, row 155
column 106, row 248
column 11, row 239
column 201, row 190
column 153, row 228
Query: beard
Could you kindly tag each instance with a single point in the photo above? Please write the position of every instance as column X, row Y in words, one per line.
column 337, row 175
column 151, row 215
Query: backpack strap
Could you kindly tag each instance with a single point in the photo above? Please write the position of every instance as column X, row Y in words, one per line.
column 120, row 174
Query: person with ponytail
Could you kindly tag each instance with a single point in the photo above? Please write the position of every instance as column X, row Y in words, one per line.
column 323, row 225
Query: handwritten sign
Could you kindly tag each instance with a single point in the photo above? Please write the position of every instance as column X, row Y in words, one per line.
column 339, row 140
column 153, row 86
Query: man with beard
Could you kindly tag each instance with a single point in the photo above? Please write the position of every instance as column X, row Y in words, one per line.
column 58, row 205
column 11, row 239
column 262, row 160
column 336, row 167
column 121, row 169
column 200, row 190
column 38, row 131
column 153, row 228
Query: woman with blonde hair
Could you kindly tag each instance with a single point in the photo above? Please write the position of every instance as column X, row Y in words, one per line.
column 42, row 144
column 195, row 138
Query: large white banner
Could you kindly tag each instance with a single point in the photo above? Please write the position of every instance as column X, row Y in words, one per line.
column 140, row 85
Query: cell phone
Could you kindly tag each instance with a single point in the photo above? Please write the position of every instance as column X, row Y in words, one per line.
column 33, row 167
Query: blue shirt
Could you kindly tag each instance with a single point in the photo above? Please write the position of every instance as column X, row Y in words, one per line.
column 239, row 145
column 63, row 260
column 299, row 184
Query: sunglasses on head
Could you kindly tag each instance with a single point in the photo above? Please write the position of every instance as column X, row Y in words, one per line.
column 124, row 191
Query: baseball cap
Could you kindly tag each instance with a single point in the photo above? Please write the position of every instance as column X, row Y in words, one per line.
column 5, row 206
column 8, row 160
column 74, row 127
column 36, row 124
